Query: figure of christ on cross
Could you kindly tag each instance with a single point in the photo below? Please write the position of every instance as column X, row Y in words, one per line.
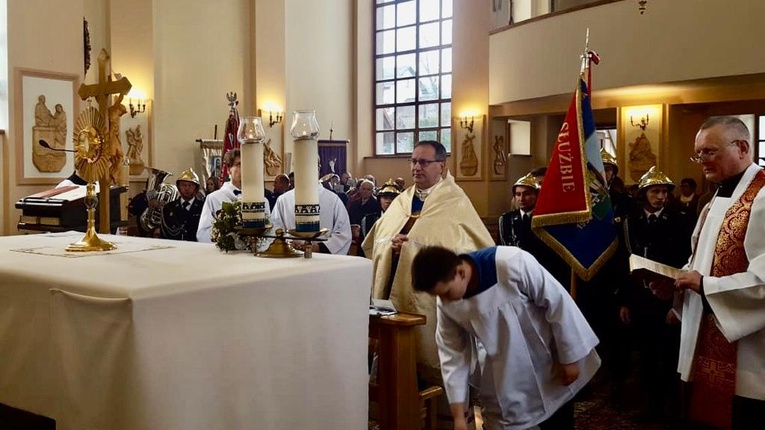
column 101, row 91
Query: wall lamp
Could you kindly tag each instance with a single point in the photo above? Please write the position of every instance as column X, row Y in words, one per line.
column 137, row 108
column 642, row 122
column 467, row 124
column 273, row 117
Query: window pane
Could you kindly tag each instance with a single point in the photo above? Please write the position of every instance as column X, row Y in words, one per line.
column 446, row 33
column 762, row 128
column 446, row 138
column 384, row 143
column 446, row 60
column 385, row 118
column 386, row 17
column 385, row 93
column 406, row 38
column 404, row 117
column 407, row 13
column 405, row 91
column 406, row 67
column 446, row 86
column 429, row 62
column 428, row 10
column 761, row 154
column 446, row 114
column 446, row 8
column 386, row 42
column 385, row 68
column 428, row 116
column 428, row 88
column 428, row 135
column 429, row 35
column 404, row 142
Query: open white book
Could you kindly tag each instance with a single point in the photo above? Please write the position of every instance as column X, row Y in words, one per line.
column 649, row 269
column 380, row 307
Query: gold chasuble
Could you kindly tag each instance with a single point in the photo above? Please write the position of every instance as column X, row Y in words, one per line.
column 714, row 368
column 447, row 219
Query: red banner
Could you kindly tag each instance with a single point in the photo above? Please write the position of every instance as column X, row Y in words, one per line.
column 565, row 190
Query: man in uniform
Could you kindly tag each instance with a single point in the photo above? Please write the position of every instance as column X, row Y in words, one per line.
column 433, row 211
column 621, row 200
column 385, row 196
column 515, row 230
column 654, row 231
column 180, row 218
column 722, row 347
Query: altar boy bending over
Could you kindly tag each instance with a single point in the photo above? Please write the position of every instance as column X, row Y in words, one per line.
column 539, row 350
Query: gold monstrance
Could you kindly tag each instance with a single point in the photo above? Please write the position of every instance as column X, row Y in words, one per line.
column 90, row 163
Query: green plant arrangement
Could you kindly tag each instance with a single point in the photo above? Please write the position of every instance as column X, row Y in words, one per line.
column 224, row 229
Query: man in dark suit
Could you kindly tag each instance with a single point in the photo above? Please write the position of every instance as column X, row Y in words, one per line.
column 655, row 231
column 515, row 230
column 180, row 218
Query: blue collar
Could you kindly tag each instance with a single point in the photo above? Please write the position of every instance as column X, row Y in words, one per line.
column 486, row 269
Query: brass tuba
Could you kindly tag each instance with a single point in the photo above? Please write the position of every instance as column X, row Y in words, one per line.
column 158, row 193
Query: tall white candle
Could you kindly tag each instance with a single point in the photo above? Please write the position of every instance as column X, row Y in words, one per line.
column 252, row 172
column 305, row 132
column 251, row 135
column 306, row 172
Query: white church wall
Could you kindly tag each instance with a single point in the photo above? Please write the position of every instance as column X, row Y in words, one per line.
column 42, row 35
column 673, row 41
column 201, row 52
column 319, row 65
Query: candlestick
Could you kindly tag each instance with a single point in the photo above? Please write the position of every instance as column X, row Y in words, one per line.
column 305, row 132
column 251, row 135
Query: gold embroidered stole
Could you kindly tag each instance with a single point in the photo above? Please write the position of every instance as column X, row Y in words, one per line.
column 714, row 370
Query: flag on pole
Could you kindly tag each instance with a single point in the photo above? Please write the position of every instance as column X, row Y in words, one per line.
column 573, row 214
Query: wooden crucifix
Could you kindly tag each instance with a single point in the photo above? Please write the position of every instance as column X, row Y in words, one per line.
column 101, row 91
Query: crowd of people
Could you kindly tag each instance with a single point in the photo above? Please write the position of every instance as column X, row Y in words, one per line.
column 503, row 329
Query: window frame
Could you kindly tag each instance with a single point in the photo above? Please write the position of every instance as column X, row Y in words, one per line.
column 386, row 119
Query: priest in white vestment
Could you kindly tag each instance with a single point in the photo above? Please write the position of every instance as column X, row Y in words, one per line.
column 722, row 350
column 434, row 211
column 333, row 216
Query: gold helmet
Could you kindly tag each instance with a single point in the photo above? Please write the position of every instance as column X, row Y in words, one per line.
column 189, row 176
column 608, row 158
column 653, row 177
column 389, row 189
column 527, row 181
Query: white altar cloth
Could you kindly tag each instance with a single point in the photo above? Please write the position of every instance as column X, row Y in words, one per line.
column 183, row 338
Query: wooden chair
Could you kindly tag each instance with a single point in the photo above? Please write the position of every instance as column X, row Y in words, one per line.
column 401, row 404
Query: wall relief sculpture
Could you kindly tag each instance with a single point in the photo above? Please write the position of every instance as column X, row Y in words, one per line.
column 50, row 127
column 641, row 155
column 469, row 161
column 500, row 159
column 272, row 161
column 135, row 148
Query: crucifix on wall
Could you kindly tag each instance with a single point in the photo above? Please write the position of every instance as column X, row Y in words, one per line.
column 102, row 91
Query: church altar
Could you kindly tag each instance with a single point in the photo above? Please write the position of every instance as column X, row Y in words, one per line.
column 177, row 335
